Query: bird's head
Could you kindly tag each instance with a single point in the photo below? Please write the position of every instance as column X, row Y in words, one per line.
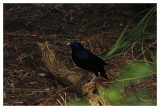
column 75, row 45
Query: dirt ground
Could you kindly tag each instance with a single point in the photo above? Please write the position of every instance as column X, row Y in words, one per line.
column 96, row 26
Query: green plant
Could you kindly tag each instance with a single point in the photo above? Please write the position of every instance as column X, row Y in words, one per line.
column 135, row 72
column 140, row 31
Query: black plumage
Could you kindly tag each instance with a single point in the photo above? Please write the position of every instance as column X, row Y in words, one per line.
column 87, row 60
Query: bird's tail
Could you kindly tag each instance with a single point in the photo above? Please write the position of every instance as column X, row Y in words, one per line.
column 103, row 73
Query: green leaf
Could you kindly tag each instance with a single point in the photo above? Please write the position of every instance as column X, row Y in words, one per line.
column 136, row 70
column 125, row 41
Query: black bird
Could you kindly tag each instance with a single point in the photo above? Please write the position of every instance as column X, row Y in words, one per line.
column 87, row 60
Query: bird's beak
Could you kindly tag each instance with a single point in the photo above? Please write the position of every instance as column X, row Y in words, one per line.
column 68, row 43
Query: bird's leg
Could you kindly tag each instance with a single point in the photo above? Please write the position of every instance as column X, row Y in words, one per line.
column 91, row 82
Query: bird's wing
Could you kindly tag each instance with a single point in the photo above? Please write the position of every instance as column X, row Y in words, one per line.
column 88, row 58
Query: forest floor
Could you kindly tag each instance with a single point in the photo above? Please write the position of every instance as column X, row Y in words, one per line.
column 95, row 26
